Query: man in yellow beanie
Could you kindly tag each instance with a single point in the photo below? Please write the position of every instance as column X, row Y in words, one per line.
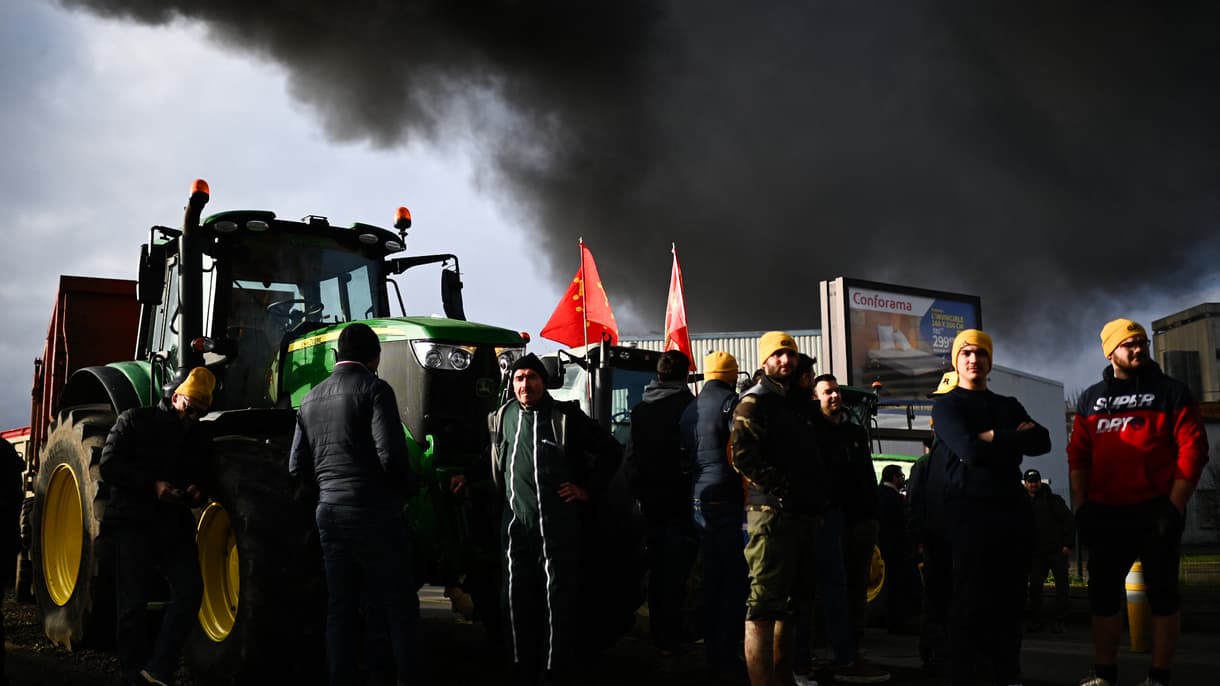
column 1137, row 450
column 718, row 498
column 774, row 448
column 154, row 467
column 989, row 526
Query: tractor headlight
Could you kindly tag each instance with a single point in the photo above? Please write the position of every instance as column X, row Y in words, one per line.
column 459, row 358
column 443, row 355
column 507, row 356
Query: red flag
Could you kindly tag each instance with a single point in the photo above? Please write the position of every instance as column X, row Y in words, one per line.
column 578, row 320
column 677, row 334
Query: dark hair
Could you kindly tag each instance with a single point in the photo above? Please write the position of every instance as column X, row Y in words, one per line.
column 744, row 385
column 673, row 365
column 358, row 343
column 887, row 474
column 804, row 364
column 829, row 378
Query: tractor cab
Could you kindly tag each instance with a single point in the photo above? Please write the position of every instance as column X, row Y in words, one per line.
column 234, row 291
column 607, row 380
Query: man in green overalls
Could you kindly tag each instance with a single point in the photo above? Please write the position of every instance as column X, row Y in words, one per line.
column 549, row 460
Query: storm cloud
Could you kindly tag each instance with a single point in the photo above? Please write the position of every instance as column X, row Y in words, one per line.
column 1058, row 159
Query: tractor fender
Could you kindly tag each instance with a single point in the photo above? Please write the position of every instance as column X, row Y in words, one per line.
column 100, row 385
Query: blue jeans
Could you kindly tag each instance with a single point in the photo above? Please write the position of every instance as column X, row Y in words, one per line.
column 725, row 582
column 830, row 574
column 169, row 550
column 368, row 549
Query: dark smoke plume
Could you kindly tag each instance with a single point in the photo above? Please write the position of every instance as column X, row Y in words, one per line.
column 1060, row 159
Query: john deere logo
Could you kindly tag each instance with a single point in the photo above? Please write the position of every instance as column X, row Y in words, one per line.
column 485, row 388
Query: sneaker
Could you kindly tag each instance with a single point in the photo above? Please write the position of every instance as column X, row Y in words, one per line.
column 1150, row 682
column 149, row 678
column 861, row 673
column 1095, row 681
column 804, row 679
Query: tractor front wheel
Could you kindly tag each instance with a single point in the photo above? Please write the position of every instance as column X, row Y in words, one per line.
column 262, row 615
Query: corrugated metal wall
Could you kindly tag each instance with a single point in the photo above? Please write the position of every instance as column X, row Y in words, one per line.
column 742, row 345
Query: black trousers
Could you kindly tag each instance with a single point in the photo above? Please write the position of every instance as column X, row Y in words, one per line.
column 1056, row 563
column 991, row 542
column 937, row 596
column 142, row 550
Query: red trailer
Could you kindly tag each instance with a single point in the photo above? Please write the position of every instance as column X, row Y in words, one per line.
column 94, row 322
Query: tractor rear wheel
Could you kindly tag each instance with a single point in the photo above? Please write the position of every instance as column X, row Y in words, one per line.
column 263, row 610
column 73, row 570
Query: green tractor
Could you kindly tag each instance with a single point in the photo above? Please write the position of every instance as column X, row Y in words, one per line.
column 261, row 301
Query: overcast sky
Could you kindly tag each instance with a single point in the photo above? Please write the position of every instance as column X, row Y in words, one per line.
column 105, row 124
column 106, row 121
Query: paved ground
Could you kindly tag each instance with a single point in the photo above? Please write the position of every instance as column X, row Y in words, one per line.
column 1049, row 659
column 461, row 656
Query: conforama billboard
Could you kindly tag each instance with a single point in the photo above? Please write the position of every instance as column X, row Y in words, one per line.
column 898, row 336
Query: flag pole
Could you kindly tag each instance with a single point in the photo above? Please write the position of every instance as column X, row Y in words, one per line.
column 584, row 298
column 584, row 320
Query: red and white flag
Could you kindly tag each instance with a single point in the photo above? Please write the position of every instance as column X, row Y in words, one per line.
column 677, row 333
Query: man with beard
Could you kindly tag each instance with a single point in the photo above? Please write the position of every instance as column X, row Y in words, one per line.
column 1137, row 450
column 773, row 447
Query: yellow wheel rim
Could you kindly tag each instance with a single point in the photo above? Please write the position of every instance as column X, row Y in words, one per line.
column 218, row 565
column 62, row 535
column 876, row 575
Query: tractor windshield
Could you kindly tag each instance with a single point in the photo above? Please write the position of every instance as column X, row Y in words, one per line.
column 278, row 287
column 282, row 288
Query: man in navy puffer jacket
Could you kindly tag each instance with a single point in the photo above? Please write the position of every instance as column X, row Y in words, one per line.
column 350, row 439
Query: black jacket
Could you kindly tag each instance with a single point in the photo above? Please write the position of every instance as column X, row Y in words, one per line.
column 926, row 495
column 11, row 495
column 705, row 429
column 849, row 466
column 654, row 458
column 892, row 536
column 147, row 445
column 350, row 439
column 982, row 469
column 1055, row 527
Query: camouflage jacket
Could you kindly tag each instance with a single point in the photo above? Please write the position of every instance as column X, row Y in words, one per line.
column 774, row 448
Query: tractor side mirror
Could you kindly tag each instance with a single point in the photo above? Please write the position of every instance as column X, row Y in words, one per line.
column 554, row 372
column 451, row 294
column 152, row 276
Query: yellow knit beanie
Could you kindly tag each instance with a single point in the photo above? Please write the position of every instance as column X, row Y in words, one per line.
column 1116, row 332
column 198, row 385
column 720, row 366
column 772, row 341
column 970, row 337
